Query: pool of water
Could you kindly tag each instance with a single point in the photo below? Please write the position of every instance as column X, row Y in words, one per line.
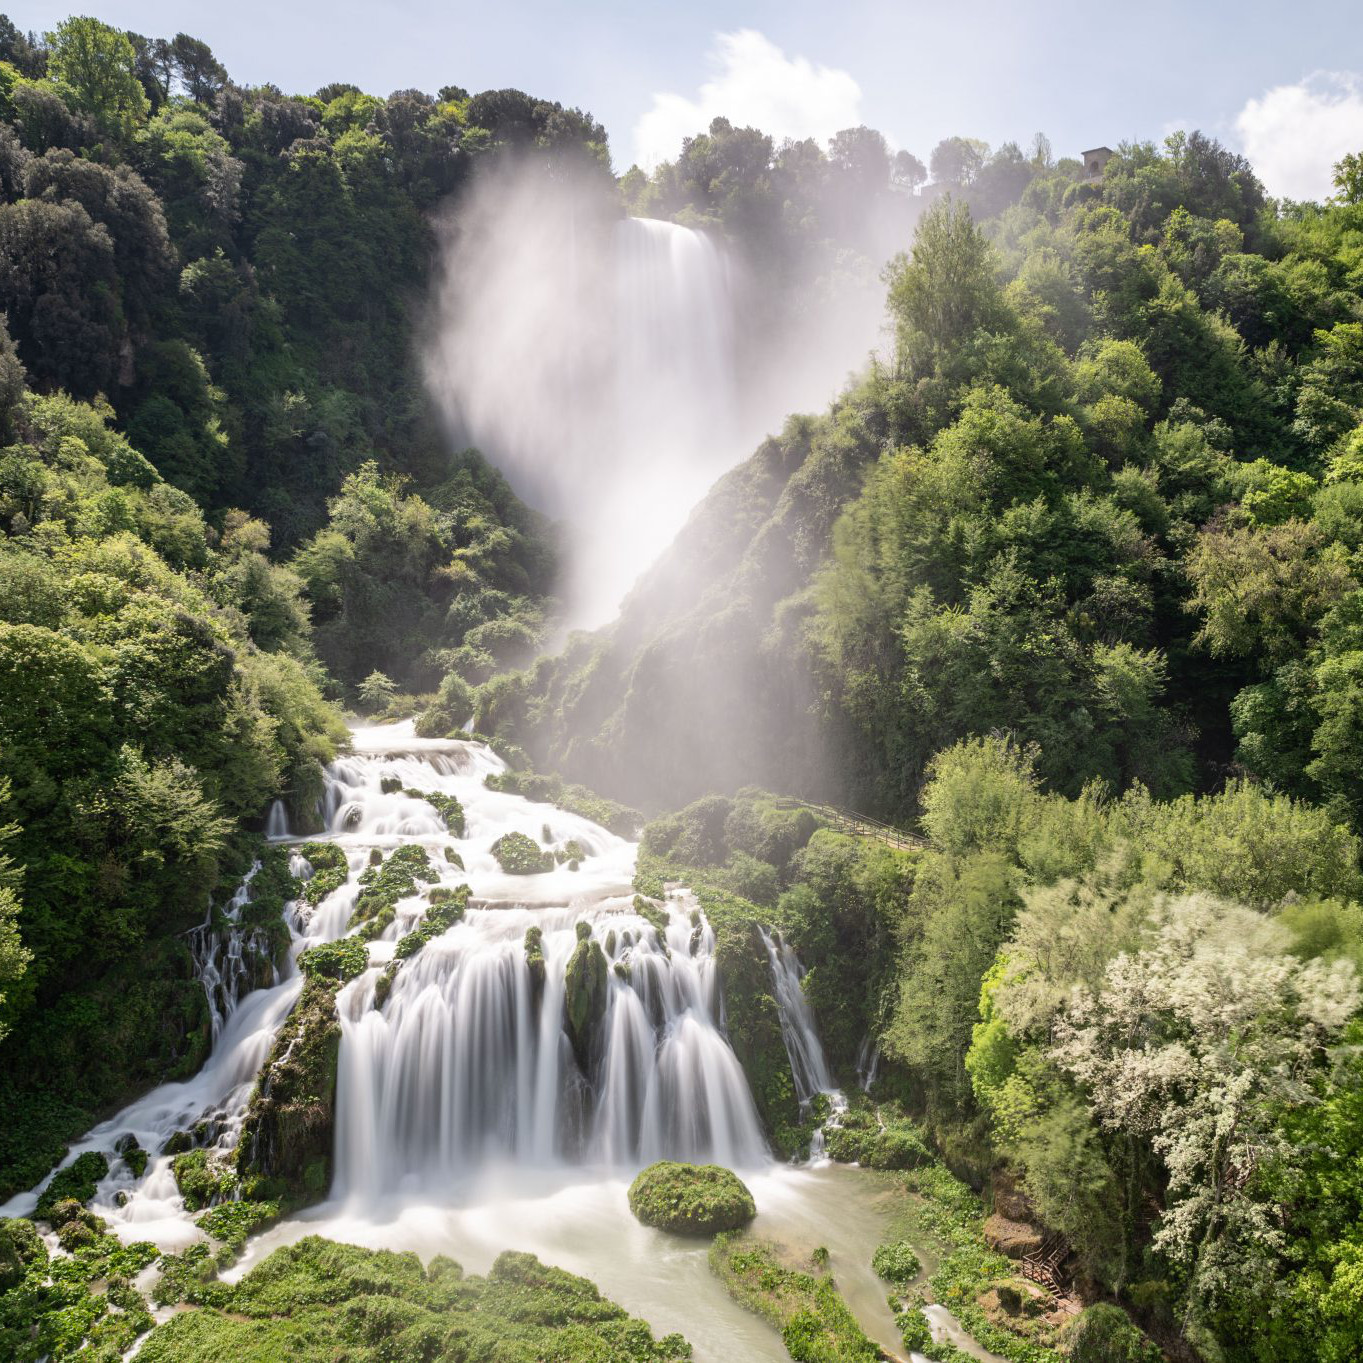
column 584, row 1224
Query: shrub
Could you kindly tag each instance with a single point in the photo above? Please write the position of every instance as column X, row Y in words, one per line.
column 896, row 1262
column 691, row 1199
column 342, row 960
column 1104, row 1333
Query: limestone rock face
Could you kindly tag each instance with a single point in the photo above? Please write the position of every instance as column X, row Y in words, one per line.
column 1016, row 1239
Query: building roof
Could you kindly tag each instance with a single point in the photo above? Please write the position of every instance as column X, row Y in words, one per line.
column 1091, row 150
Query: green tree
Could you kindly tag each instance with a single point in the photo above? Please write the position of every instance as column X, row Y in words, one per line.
column 94, row 67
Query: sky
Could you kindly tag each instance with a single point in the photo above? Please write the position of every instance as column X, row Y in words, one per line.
column 1283, row 84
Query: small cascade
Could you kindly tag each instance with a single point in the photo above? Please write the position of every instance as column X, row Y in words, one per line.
column 468, row 1062
column 277, row 822
column 868, row 1063
column 808, row 1064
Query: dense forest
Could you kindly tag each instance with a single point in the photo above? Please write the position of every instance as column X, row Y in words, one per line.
column 1065, row 587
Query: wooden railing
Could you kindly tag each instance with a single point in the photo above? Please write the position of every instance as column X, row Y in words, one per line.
column 857, row 825
column 1045, row 1265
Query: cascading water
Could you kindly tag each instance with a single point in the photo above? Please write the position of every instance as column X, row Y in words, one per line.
column 808, row 1064
column 467, row 1062
column 465, row 1122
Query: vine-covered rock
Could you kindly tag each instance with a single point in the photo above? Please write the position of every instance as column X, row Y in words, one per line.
column 691, row 1199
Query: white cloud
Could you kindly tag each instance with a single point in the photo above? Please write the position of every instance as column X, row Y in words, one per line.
column 1294, row 134
column 753, row 82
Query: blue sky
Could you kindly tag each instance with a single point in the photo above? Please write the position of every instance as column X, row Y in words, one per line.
column 1283, row 83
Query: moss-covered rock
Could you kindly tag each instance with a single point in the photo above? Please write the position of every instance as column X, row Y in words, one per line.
column 877, row 1138
column 586, row 984
column 20, row 1248
column 341, row 960
column 447, row 806
column 447, row 908
column 330, row 870
column 534, row 956
column 691, row 1199
column 519, row 855
column 132, row 1154
column 285, row 1149
column 203, row 1177
column 384, row 883
column 78, row 1180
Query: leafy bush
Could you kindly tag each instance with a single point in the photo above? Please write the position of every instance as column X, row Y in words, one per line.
column 896, row 1262
column 343, row 959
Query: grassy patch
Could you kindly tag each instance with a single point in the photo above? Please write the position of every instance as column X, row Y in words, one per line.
column 802, row 1303
column 318, row 1301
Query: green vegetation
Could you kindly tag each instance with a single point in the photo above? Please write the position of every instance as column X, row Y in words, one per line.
column 519, row 855
column 815, row 1323
column 341, row 960
column 75, row 1182
column 330, row 870
column 691, row 1199
column 285, row 1150
column 382, row 885
column 877, row 1138
column 447, row 806
column 585, row 986
column 80, row 1304
column 896, row 1262
column 446, row 909
column 316, row 1301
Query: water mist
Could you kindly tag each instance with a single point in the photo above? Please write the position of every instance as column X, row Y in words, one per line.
column 614, row 368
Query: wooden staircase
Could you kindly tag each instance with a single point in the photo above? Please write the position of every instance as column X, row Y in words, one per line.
column 1046, row 1266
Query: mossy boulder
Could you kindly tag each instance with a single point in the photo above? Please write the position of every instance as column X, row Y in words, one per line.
column 340, row 960
column 586, row 983
column 519, row 855
column 285, row 1149
column 691, row 1199
column 20, row 1247
column 78, row 1180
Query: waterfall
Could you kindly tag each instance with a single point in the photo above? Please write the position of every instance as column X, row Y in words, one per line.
column 807, row 1062
column 458, row 1059
column 277, row 823
column 592, row 359
column 467, row 1063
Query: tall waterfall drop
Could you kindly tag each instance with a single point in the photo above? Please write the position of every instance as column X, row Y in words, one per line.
column 592, row 358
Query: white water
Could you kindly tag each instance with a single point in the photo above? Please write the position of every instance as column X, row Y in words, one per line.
column 464, row 1124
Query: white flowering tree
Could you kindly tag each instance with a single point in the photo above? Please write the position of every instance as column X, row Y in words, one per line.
column 1196, row 1041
